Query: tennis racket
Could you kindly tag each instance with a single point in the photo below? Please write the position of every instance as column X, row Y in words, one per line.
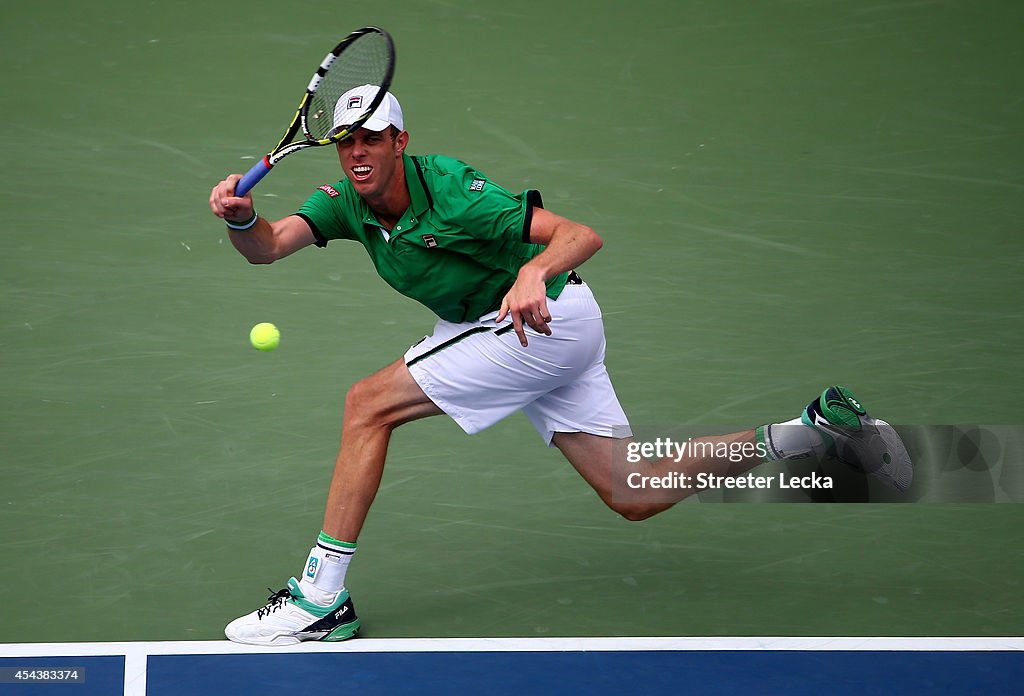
column 364, row 57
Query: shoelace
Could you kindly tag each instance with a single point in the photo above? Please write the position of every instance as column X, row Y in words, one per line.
column 275, row 601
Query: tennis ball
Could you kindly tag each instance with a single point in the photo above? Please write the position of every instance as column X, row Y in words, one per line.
column 264, row 336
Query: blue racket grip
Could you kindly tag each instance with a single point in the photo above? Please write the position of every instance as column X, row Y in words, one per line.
column 252, row 177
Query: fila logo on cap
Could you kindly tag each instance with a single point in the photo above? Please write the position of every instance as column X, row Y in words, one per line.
column 358, row 100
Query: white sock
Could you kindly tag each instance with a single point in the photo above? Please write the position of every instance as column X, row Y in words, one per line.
column 324, row 575
column 791, row 440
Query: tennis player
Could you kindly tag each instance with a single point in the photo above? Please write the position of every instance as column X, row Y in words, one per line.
column 517, row 330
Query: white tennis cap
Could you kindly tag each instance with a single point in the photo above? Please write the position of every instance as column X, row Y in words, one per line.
column 354, row 103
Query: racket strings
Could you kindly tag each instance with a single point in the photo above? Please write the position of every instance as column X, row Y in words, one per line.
column 366, row 61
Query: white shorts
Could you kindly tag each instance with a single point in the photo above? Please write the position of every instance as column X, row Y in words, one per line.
column 477, row 372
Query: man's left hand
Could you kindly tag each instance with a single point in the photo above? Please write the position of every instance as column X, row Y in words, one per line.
column 527, row 304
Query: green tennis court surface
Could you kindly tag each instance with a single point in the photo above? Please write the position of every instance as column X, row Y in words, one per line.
column 792, row 194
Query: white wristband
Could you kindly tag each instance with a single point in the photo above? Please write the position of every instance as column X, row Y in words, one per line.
column 248, row 224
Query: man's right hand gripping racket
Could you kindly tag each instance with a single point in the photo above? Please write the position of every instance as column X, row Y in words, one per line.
column 366, row 57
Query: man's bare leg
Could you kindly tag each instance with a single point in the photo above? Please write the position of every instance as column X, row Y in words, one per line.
column 316, row 606
column 374, row 407
column 834, row 425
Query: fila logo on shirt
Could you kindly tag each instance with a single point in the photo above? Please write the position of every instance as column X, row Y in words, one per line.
column 477, row 185
column 429, row 241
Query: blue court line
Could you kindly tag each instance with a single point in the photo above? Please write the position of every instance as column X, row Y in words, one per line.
column 515, row 674
column 837, row 666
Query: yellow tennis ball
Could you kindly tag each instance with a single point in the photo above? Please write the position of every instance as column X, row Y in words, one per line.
column 264, row 336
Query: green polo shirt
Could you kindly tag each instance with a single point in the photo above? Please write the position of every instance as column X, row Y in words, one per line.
column 458, row 247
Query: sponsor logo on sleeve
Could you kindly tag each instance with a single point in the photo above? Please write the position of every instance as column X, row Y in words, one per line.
column 329, row 190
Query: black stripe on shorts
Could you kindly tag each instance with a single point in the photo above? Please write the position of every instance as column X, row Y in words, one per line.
column 455, row 339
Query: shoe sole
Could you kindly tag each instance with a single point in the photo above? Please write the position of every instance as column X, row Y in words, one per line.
column 275, row 641
column 342, row 632
column 895, row 467
column 877, row 450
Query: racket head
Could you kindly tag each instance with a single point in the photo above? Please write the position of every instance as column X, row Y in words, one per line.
column 363, row 59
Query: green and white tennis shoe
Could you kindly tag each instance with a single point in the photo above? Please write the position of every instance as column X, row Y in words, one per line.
column 853, row 437
column 289, row 617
